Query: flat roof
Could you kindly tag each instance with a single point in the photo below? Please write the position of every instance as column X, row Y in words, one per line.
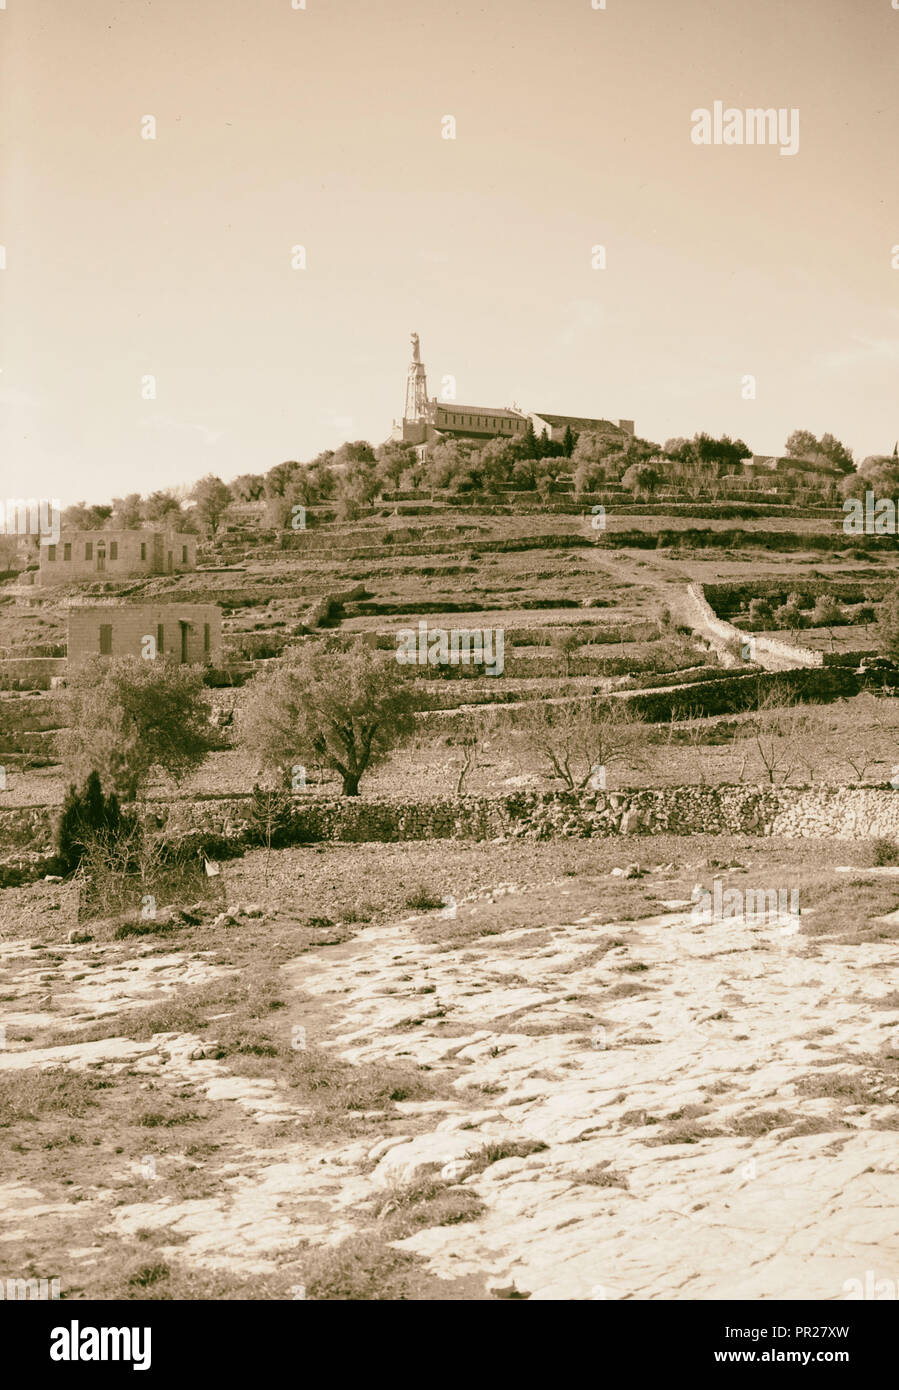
column 479, row 410
column 581, row 422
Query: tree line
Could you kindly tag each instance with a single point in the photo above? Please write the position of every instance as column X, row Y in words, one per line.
column 355, row 475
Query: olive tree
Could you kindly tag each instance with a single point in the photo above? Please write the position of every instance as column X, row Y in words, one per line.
column 128, row 717
column 337, row 709
column 213, row 499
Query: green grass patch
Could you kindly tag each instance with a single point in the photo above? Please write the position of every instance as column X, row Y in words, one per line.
column 30, row 1094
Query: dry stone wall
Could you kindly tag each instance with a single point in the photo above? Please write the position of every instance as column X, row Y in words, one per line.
column 226, row 825
column 771, row 646
column 322, row 609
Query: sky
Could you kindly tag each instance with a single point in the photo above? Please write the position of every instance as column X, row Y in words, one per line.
column 129, row 259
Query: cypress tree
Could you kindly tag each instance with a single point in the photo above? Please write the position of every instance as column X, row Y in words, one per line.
column 85, row 815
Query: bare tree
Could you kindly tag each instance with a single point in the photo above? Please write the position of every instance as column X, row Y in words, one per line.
column 783, row 735
column 471, row 744
column 573, row 741
column 860, row 759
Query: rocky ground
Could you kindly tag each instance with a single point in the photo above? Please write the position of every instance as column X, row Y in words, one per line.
column 557, row 1090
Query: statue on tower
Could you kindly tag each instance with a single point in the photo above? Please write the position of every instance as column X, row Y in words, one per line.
column 417, row 408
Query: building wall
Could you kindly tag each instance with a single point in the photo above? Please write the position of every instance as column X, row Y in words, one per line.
column 116, row 554
column 415, row 432
column 449, row 419
column 555, row 426
column 471, row 421
column 121, row 630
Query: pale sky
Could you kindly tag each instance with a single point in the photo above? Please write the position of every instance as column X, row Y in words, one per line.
column 321, row 127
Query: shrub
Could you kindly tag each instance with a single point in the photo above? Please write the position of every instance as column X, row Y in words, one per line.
column 884, row 852
column 887, row 629
column 123, row 872
column 760, row 611
column 86, row 815
column 423, row 900
column 789, row 616
column 826, row 612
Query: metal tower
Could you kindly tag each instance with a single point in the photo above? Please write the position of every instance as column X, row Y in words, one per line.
column 417, row 405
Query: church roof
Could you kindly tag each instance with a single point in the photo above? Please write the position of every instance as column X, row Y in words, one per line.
column 456, row 409
column 578, row 422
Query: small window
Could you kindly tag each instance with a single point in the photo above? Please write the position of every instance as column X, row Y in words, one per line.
column 51, row 552
column 143, row 550
column 113, row 550
column 67, row 550
column 160, row 639
column 206, row 637
column 184, row 553
column 88, row 550
column 106, row 639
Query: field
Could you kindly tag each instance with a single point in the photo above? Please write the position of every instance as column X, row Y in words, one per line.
column 450, row 1069
column 487, row 1105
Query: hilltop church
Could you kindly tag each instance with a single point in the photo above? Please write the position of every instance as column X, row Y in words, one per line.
column 427, row 421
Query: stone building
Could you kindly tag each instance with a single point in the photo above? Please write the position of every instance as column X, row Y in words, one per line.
column 426, row 421
column 185, row 632
column 116, row 554
column 556, row 426
column 483, row 422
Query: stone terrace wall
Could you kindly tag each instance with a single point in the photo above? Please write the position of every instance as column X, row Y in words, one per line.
column 322, row 609
column 30, row 672
column 222, row 825
column 784, row 651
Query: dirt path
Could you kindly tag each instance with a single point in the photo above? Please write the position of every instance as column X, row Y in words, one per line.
column 669, row 580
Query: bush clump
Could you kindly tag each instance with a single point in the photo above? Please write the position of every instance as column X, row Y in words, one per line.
column 87, row 816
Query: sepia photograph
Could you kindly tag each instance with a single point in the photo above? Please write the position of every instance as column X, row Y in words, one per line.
column 449, row 670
